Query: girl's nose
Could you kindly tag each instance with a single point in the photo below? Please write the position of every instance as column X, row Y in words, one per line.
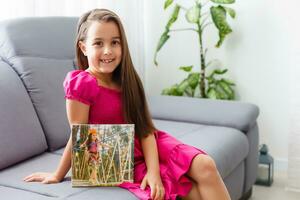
column 107, row 50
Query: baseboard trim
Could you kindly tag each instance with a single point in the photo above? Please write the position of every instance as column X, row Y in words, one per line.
column 280, row 164
column 292, row 189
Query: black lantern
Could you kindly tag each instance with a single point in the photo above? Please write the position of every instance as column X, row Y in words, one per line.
column 265, row 167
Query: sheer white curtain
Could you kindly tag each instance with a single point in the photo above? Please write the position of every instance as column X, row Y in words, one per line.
column 130, row 12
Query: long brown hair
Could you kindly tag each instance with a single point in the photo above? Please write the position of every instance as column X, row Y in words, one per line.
column 135, row 108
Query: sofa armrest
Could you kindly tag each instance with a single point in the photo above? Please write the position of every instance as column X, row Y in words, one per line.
column 234, row 114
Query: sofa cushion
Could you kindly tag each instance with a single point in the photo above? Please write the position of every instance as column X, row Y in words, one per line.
column 238, row 115
column 176, row 128
column 45, row 37
column 17, row 194
column 227, row 146
column 12, row 177
column 59, row 151
column 42, row 56
column 111, row 193
column 21, row 135
column 43, row 80
column 235, row 181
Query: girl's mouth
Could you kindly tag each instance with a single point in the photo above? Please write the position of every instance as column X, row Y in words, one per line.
column 107, row 60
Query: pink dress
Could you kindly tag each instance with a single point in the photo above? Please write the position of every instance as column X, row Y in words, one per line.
column 105, row 104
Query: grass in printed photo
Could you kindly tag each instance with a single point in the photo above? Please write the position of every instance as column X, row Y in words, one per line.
column 102, row 155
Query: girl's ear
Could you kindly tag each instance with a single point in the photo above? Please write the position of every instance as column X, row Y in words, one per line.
column 82, row 47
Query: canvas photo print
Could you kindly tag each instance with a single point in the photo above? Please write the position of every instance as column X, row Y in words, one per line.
column 102, row 154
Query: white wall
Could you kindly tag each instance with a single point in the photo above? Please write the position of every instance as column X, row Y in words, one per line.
column 256, row 54
column 293, row 32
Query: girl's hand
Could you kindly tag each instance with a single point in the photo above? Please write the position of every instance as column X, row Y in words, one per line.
column 43, row 177
column 156, row 186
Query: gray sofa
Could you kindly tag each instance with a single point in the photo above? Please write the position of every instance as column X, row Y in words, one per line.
column 36, row 54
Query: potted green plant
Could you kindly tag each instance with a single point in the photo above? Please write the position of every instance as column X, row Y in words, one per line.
column 212, row 85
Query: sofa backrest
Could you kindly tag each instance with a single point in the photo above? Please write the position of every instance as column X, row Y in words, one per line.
column 234, row 114
column 21, row 134
column 41, row 51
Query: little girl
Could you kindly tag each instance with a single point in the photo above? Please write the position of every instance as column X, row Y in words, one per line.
column 107, row 90
column 92, row 145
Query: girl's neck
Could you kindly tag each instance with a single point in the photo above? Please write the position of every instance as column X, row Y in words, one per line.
column 103, row 79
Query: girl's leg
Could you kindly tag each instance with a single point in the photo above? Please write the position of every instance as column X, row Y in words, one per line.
column 204, row 172
column 94, row 178
column 193, row 194
column 92, row 175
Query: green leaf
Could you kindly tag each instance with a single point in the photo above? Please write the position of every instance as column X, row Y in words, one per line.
column 223, row 1
column 226, row 88
column 173, row 91
column 211, row 76
column 218, row 14
column 186, row 68
column 165, row 91
column 173, row 17
column 219, row 71
column 221, row 94
column 193, row 79
column 189, row 92
column 230, row 11
column 193, row 14
column 228, row 82
column 210, row 80
column 214, row 72
column 211, row 93
column 163, row 38
column 183, row 86
column 197, row 92
column 167, row 3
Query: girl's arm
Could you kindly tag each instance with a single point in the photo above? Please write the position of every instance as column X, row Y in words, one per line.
column 73, row 110
column 77, row 113
column 152, row 177
column 150, row 152
column 84, row 143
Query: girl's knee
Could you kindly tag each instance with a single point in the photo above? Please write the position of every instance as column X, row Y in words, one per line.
column 204, row 168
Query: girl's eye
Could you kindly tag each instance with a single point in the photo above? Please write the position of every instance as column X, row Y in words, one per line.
column 98, row 43
column 115, row 42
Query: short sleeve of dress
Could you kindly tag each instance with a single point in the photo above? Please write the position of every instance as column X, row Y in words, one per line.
column 80, row 86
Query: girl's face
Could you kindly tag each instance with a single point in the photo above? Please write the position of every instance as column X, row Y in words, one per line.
column 94, row 137
column 102, row 47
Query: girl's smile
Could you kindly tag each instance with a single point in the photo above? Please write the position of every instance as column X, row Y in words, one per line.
column 102, row 48
column 107, row 60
